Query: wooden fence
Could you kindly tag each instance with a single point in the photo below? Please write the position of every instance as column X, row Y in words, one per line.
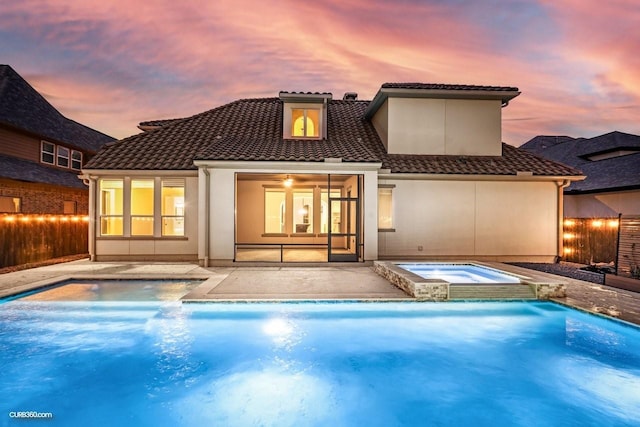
column 588, row 240
column 605, row 240
column 33, row 238
column 629, row 247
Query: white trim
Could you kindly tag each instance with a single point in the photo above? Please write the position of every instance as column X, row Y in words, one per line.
column 96, row 173
column 459, row 177
column 284, row 167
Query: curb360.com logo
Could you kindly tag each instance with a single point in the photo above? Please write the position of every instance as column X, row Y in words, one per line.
column 30, row 414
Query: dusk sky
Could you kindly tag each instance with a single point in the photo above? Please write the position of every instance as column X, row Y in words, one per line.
column 110, row 64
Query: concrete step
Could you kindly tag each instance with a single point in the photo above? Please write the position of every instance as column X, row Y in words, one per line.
column 513, row 291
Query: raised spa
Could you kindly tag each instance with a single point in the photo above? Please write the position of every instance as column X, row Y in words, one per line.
column 459, row 273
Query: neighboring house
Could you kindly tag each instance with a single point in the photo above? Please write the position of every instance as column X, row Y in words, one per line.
column 41, row 152
column 418, row 172
column 611, row 163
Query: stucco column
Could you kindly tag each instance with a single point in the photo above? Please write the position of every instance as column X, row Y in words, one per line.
column 370, row 207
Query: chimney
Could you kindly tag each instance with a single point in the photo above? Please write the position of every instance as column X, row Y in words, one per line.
column 350, row 96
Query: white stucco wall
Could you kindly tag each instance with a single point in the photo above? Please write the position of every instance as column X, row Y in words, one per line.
column 432, row 126
column 472, row 219
column 602, row 205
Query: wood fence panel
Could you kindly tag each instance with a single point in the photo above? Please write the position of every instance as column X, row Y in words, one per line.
column 629, row 247
column 588, row 241
column 26, row 239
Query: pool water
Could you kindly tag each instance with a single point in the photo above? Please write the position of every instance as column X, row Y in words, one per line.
column 459, row 273
column 115, row 290
column 316, row 364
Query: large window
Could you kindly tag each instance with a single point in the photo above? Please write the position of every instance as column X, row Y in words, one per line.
column 303, row 211
column 142, row 207
column 385, row 208
column 48, row 153
column 173, row 207
column 111, row 207
column 274, row 211
column 305, row 123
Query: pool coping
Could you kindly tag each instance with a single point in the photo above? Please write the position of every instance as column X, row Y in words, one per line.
column 590, row 297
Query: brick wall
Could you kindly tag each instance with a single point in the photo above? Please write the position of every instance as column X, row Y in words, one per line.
column 44, row 198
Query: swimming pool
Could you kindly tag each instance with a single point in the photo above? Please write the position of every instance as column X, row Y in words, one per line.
column 457, row 273
column 316, row 364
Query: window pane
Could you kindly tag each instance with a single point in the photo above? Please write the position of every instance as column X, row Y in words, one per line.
column 69, row 207
column 48, row 150
column 111, row 226
column 76, row 159
column 63, row 157
column 305, row 122
column 111, row 198
column 297, row 122
column 173, row 197
column 141, row 207
column 141, row 197
column 334, row 218
column 303, row 211
column 274, row 211
column 313, row 123
column 172, row 207
column 173, row 226
column 141, row 225
column 385, row 208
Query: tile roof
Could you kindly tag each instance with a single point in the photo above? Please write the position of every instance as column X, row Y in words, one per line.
column 251, row 130
column 25, row 170
column 153, row 124
column 22, row 107
column 614, row 173
column 511, row 162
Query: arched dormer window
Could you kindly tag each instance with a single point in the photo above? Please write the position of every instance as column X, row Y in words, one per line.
column 305, row 123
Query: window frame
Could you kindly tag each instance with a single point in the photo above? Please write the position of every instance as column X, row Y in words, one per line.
column 52, row 153
column 110, row 216
column 390, row 188
column 164, row 216
column 60, row 156
column 15, row 201
column 133, row 217
column 287, row 125
column 76, row 161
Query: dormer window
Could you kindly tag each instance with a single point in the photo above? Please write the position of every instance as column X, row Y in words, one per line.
column 305, row 123
column 304, row 115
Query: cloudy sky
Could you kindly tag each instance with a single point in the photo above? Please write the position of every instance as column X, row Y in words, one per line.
column 110, row 64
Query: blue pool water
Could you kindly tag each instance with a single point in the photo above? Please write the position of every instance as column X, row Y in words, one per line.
column 160, row 363
column 459, row 273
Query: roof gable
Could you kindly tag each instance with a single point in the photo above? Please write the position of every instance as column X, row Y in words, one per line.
column 22, row 107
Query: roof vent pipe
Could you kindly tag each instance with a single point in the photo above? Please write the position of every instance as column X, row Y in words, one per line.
column 350, row 96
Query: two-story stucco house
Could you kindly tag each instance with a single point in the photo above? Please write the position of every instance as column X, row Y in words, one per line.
column 418, row 172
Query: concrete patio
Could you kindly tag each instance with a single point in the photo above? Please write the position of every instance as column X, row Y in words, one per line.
column 283, row 283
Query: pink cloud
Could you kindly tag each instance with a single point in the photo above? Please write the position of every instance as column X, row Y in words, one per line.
column 122, row 62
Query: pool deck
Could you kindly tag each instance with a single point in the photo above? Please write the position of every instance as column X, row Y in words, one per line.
column 287, row 283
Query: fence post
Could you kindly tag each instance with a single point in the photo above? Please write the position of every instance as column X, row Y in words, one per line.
column 618, row 241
